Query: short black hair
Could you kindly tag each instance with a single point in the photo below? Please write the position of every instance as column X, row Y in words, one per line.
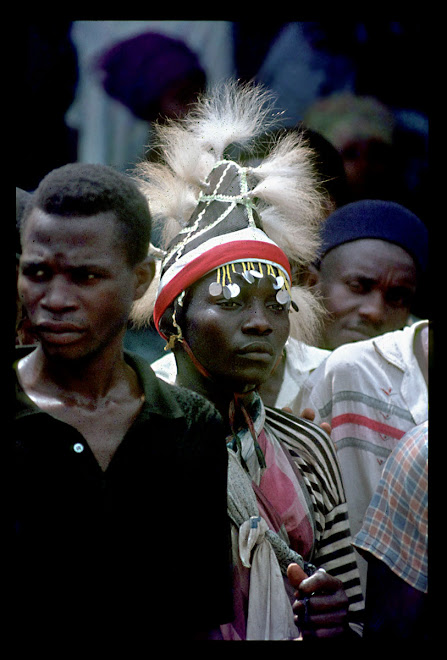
column 83, row 189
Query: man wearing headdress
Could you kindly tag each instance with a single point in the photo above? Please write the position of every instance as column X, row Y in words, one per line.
column 225, row 305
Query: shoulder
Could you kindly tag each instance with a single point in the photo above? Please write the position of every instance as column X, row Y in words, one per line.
column 292, row 427
column 399, row 338
column 407, row 466
column 398, row 347
column 307, row 443
column 344, row 357
column 343, row 363
column 345, row 368
column 168, row 399
column 193, row 405
column 304, row 357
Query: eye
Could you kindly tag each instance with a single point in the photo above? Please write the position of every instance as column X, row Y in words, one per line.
column 85, row 276
column 227, row 304
column 399, row 297
column 276, row 306
column 359, row 285
column 35, row 272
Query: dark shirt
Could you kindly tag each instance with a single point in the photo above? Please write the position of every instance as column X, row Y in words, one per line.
column 145, row 543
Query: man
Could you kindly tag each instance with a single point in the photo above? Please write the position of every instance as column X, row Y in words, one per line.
column 371, row 393
column 110, row 485
column 373, row 256
column 225, row 305
column 394, row 541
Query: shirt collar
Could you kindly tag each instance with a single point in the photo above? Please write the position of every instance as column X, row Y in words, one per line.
column 159, row 395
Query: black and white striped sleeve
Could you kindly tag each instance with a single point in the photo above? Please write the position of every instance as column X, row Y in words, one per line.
column 313, row 453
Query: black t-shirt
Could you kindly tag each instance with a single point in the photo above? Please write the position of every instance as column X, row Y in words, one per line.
column 143, row 546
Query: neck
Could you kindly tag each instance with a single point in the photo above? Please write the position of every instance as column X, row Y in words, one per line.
column 269, row 390
column 189, row 376
column 91, row 377
column 191, row 379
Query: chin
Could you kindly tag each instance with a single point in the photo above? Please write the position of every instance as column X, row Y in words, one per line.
column 67, row 354
column 247, row 384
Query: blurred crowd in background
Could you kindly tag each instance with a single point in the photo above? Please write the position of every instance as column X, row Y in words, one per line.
column 92, row 89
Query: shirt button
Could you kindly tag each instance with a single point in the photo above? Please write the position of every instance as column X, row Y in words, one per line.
column 78, row 447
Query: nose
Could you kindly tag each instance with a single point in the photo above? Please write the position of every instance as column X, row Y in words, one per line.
column 58, row 295
column 257, row 321
column 373, row 308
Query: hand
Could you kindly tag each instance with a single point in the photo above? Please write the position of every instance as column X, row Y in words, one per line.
column 309, row 414
column 321, row 608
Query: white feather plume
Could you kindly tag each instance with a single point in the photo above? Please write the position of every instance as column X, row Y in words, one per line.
column 283, row 186
column 233, row 113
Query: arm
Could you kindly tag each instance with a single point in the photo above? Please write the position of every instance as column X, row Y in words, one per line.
column 314, row 457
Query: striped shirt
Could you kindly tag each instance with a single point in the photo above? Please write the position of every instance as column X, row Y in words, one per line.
column 313, row 455
column 371, row 393
column 395, row 528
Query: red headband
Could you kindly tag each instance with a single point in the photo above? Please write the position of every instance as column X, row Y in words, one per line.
column 207, row 261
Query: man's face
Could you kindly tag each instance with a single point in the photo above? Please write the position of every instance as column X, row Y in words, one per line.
column 75, row 283
column 367, row 286
column 238, row 341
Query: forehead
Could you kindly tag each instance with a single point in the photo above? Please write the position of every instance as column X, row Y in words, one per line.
column 47, row 236
column 369, row 257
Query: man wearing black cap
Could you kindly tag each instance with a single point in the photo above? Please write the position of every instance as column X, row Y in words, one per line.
column 373, row 391
column 373, row 256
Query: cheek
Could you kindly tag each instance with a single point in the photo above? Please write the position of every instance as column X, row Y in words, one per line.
column 22, row 290
column 108, row 305
column 204, row 334
column 396, row 318
column 116, row 306
column 338, row 299
column 28, row 294
column 282, row 331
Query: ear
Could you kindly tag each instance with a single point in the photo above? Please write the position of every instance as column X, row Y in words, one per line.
column 144, row 274
column 311, row 276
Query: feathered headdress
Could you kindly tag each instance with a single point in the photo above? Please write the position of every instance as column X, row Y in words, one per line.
column 211, row 211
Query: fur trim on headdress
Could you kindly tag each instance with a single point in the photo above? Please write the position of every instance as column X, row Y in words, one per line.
column 283, row 186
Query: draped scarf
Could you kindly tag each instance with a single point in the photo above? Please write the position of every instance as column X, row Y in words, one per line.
column 266, row 552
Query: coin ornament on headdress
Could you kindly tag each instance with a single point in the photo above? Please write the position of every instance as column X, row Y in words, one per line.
column 225, row 285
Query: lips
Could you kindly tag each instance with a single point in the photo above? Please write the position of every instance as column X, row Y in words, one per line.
column 257, row 350
column 360, row 333
column 59, row 331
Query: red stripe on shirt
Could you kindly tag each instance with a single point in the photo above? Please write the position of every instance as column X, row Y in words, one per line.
column 361, row 420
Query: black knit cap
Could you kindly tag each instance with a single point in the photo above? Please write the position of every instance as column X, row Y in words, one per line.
column 385, row 220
